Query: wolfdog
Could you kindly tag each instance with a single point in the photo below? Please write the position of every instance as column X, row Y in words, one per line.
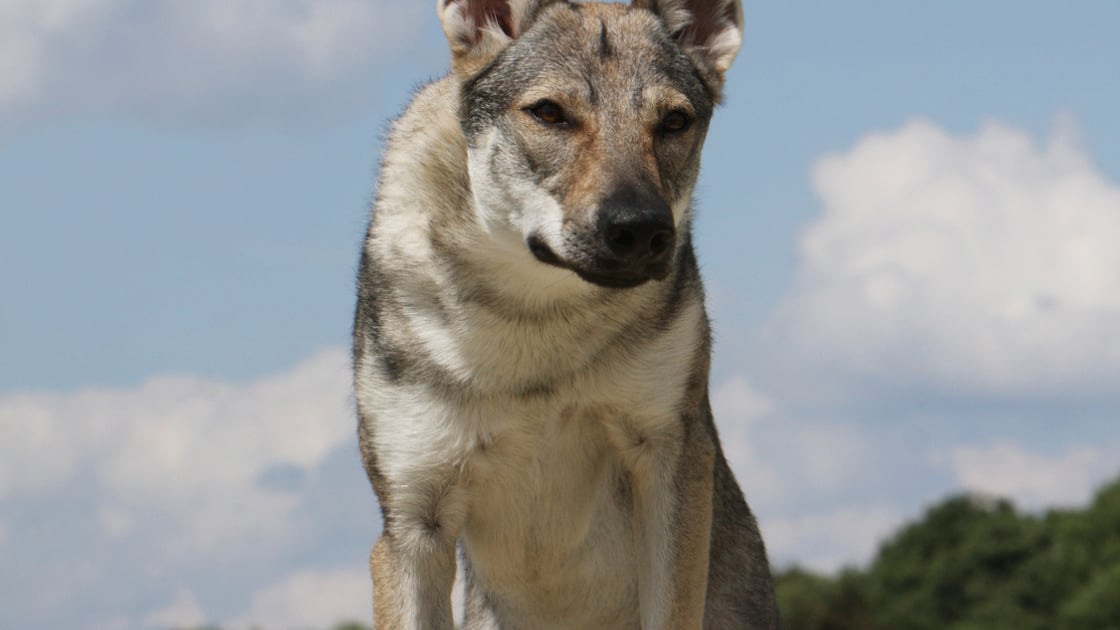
column 531, row 348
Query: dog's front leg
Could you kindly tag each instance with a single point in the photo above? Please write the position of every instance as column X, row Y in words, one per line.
column 670, row 472
column 413, row 563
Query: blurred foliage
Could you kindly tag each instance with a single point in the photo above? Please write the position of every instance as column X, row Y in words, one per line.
column 974, row 563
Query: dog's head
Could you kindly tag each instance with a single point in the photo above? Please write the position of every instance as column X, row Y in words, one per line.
column 584, row 123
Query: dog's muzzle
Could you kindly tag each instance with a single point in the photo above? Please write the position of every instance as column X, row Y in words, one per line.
column 632, row 242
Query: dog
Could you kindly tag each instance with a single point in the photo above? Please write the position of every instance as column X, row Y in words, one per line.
column 531, row 348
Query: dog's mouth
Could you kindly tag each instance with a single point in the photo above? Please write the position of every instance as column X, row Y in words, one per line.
column 606, row 273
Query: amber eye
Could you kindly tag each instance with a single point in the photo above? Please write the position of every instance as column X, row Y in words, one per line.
column 548, row 113
column 675, row 121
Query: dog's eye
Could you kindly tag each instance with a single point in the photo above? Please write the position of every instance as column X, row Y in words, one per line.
column 549, row 113
column 675, row 121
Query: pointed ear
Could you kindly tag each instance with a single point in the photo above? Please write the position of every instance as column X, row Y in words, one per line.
column 710, row 31
column 478, row 30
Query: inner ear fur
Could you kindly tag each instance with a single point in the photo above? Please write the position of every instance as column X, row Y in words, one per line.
column 477, row 30
column 711, row 31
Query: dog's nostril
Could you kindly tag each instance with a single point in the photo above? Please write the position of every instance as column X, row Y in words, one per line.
column 640, row 241
column 621, row 239
column 659, row 243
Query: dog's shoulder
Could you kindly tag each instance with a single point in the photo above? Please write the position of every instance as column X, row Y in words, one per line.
column 424, row 163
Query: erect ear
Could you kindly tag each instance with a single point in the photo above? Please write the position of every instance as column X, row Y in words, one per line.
column 711, row 31
column 478, row 30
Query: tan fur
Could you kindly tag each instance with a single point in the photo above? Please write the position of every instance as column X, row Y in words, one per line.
column 386, row 603
column 693, row 537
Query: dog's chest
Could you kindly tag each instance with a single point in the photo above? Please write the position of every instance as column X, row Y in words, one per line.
column 549, row 522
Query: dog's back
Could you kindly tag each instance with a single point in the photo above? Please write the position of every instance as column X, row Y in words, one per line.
column 530, row 343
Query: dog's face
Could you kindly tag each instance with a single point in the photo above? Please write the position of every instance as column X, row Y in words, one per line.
column 585, row 127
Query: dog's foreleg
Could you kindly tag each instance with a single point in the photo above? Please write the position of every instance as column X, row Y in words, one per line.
column 671, row 483
column 413, row 566
column 692, row 526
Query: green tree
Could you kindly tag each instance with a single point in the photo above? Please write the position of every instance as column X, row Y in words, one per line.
column 1096, row 605
column 975, row 563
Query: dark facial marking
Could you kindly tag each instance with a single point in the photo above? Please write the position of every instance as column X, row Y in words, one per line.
column 636, row 94
column 606, row 51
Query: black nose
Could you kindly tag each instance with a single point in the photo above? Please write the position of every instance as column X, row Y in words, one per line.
column 637, row 226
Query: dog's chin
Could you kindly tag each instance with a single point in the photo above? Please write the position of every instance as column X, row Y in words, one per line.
column 600, row 275
column 616, row 280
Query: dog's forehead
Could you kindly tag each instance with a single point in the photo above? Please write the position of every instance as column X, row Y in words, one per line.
column 607, row 43
column 599, row 29
column 620, row 59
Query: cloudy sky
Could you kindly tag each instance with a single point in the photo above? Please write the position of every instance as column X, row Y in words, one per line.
column 909, row 225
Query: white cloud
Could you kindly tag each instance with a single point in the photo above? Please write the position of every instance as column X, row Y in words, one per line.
column 458, row 595
column 829, row 456
column 120, row 622
column 739, row 402
column 185, row 448
column 967, row 265
column 116, row 523
column 168, row 58
column 27, row 29
column 124, row 497
column 310, row 599
column 832, row 540
column 319, row 599
column 1035, row 480
column 777, row 456
column 183, row 612
column 738, row 409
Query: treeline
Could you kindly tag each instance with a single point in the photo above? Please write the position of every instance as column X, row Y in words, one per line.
column 972, row 564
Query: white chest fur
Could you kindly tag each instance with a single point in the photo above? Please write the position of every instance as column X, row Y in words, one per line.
column 548, row 523
column 535, row 486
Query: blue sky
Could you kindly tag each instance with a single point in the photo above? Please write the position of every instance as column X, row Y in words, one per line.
column 909, row 226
